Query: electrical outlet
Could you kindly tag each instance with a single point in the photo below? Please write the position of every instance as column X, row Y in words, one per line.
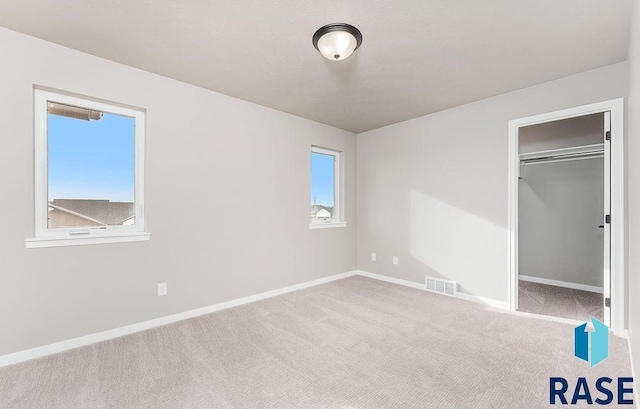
column 373, row 256
column 395, row 259
column 162, row 289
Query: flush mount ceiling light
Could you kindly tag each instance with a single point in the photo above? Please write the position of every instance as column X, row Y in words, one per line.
column 337, row 41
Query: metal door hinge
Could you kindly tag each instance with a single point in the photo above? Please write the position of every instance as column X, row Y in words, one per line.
column 607, row 219
column 607, row 302
column 607, row 135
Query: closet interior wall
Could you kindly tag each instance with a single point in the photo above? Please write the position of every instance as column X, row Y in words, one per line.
column 561, row 205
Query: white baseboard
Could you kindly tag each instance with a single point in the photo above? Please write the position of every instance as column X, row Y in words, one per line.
column 503, row 305
column 393, row 280
column 463, row 296
column 62, row 346
column 565, row 284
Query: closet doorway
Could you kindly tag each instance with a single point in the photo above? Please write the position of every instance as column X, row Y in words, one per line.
column 561, row 227
column 565, row 181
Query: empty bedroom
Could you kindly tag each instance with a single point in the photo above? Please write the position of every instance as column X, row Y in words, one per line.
column 291, row 204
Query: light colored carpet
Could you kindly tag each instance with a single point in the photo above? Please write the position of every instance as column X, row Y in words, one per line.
column 559, row 301
column 353, row 343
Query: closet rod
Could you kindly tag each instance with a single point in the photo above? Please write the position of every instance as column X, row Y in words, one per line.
column 565, row 158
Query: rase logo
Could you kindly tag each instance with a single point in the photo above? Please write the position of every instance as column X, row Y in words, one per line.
column 596, row 342
column 593, row 347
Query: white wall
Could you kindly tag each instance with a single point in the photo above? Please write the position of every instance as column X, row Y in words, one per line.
column 561, row 205
column 433, row 190
column 211, row 161
column 633, row 161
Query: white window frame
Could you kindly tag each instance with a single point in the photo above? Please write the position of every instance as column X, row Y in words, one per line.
column 45, row 237
column 338, row 194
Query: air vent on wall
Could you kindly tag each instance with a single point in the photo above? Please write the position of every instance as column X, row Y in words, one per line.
column 437, row 285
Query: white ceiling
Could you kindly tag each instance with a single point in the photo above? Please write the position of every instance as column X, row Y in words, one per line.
column 417, row 56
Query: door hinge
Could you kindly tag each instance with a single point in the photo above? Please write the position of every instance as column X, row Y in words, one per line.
column 607, row 135
column 607, row 219
column 607, row 302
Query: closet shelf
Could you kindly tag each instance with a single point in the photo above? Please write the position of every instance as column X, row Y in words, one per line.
column 563, row 154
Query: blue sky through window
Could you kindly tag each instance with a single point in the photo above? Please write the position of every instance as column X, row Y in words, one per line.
column 91, row 159
column 322, row 179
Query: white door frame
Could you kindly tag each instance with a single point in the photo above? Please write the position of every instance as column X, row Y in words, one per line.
column 616, row 107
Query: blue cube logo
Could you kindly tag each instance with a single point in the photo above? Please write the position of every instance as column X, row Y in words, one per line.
column 595, row 343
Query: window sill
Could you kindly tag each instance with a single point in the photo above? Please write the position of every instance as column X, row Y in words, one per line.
column 63, row 241
column 327, row 225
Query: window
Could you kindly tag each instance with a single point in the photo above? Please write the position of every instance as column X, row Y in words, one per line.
column 89, row 172
column 326, row 208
